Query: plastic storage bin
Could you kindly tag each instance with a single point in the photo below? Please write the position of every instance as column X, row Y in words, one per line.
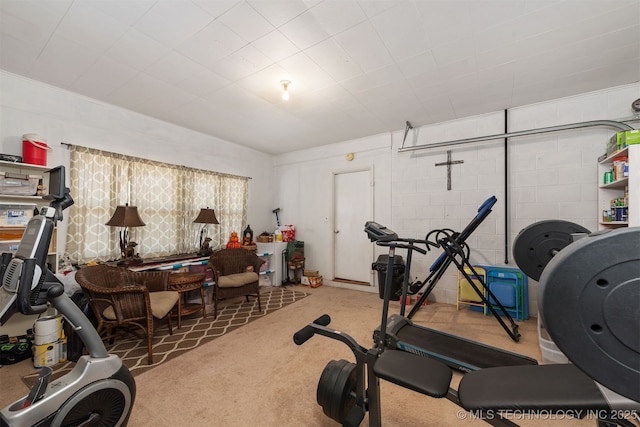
column 15, row 215
column 550, row 352
column 12, row 184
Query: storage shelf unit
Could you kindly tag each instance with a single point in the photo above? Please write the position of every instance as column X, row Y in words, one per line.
column 267, row 271
column 10, row 234
column 272, row 253
column 617, row 189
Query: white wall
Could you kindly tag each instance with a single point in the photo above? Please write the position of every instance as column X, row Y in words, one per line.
column 551, row 176
column 27, row 106
column 305, row 184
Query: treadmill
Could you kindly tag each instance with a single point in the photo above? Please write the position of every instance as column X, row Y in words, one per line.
column 401, row 333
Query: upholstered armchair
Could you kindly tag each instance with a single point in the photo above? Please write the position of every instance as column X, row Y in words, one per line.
column 121, row 298
column 235, row 273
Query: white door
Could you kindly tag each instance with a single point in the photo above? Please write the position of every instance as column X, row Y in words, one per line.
column 353, row 207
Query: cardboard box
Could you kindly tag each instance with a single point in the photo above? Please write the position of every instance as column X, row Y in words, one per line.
column 313, row 282
column 311, row 273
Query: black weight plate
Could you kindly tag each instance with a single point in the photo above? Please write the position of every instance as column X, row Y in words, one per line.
column 342, row 399
column 326, row 383
column 589, row 299
column 536, row 244
column 336, row 382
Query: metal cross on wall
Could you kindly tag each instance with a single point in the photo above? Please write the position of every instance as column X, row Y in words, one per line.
column 448, row 163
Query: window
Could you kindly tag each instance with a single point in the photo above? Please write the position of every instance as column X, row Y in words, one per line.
column 168, row 198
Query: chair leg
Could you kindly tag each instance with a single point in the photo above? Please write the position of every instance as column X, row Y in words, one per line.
column 169, row 324
column 215, row 305
column 150, row 349
column 149, row 338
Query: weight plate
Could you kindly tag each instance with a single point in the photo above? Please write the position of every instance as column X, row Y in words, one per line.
column 335, row 387
column 326, row 384
column 536, row 244
column 589, row 299
column 343, row 393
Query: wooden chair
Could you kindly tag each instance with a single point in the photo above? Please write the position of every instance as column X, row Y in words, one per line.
column 123, row 299
column 235, row 273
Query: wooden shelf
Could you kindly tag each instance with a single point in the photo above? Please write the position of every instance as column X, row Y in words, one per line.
column 26, row 166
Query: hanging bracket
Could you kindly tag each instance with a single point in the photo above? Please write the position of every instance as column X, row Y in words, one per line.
column 407, row 128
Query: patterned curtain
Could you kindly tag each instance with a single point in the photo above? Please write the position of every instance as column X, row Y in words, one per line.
column 168, row 198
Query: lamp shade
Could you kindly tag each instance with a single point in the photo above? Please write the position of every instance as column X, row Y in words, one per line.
column 126, row 216
column 206, row 216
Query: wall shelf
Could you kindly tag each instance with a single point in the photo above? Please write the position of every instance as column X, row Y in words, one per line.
column 10, row 233
column 623, row 188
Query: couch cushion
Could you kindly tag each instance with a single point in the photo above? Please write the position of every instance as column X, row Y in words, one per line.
column 237, row 280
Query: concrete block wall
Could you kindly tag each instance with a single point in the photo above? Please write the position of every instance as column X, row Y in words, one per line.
column 551, row 176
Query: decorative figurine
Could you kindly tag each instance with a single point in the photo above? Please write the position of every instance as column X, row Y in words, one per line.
column 129, row 255
column 233, row 241
column 205, row 249
column 130, row 251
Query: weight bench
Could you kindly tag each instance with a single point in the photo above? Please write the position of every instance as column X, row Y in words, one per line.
column 417, row 373
column 550, row 388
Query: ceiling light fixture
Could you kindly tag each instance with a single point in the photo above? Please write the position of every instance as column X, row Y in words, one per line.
column 285, row 89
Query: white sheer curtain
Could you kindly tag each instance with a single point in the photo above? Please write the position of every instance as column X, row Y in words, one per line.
column 168, row 198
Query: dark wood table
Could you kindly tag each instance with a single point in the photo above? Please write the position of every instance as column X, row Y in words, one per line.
column 184, row 283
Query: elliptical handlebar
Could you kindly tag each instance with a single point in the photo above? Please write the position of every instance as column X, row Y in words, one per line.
column 23, row 299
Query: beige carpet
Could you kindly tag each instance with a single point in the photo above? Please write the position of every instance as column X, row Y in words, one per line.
column 257, row 376
column 194, row 332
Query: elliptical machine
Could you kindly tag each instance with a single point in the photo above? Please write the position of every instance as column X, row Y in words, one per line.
column 99, row 391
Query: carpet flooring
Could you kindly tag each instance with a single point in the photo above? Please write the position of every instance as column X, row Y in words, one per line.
column 257, row 376
column 195, row 331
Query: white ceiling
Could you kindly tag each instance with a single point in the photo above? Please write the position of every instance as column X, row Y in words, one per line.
column 357, row 68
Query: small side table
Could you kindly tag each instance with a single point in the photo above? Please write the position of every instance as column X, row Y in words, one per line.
column 297, row 265
column 183, row 283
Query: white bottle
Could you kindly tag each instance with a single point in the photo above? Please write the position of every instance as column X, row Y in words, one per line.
column 278, row 235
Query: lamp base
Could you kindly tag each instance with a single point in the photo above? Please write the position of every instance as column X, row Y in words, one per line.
column 205, row 252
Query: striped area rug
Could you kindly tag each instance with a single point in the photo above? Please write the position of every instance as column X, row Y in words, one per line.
column 195, row 331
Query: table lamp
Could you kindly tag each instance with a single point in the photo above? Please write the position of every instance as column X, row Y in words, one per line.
column 126, row 216
column 206, row 216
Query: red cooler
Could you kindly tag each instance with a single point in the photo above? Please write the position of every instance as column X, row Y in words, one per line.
column 34, row 149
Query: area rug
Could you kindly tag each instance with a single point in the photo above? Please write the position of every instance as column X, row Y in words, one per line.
column 194, row 332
